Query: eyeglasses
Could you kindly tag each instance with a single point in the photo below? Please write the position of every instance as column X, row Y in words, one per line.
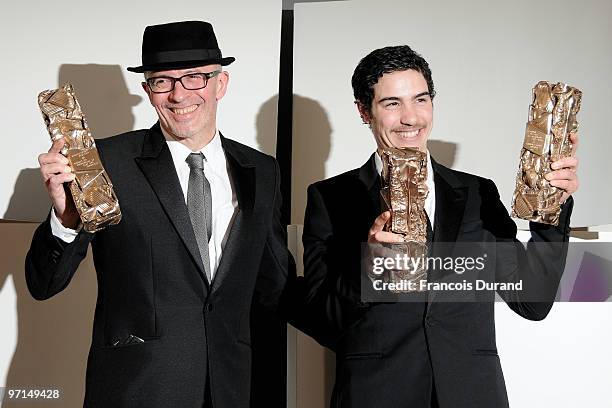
column 193, row 81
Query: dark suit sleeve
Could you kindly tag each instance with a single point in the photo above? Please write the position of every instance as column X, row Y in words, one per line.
column 332, row 291
column 50, row 263
column 539, row 264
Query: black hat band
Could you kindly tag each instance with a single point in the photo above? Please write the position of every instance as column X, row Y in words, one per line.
column 181, row 55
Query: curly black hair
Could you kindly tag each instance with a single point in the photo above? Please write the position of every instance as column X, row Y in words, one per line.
column 383, row 61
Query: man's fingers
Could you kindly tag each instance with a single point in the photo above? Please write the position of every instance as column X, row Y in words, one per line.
column 49, row 170
column 570, row 186
column 57, row 145
column 562, row 184
column 387, row 237
column 563, row 174
column 47, row 158
column 564, row 179
column 574, row 140
column 566, row 162
column 56, row 181
column 379, row 223
column 376, row 233
column 53, row 163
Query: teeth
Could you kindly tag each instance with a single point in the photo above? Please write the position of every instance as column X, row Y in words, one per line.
column 183, row 111
column 411, row 133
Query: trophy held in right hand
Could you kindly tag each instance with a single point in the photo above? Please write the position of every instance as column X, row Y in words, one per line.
column 92, row 190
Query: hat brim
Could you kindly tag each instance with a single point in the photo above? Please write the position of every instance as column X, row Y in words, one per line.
column 181, row 65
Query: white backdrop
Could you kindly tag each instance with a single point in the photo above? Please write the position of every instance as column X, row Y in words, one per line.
column 477, row 52
column 90, row 44
column 485, row 57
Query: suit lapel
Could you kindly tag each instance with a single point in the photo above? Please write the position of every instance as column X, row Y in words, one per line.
column 370, row 178
column 451, row 197
column 156, row 164
column 242, row 175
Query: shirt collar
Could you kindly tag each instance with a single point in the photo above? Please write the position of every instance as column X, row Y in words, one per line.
column 213, row 151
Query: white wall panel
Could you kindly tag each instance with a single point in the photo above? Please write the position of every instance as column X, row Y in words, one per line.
column 485, row 57
column 90, row 44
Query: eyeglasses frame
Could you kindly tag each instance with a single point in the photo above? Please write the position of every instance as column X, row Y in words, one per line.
column 206, row 75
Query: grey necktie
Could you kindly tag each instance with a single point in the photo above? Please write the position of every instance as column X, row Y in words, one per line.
column 199, row 204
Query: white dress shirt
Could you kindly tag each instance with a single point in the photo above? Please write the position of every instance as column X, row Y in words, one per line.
column 224, row 201
column 430, row 200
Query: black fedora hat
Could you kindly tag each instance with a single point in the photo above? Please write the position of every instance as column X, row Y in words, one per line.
column 184, row 44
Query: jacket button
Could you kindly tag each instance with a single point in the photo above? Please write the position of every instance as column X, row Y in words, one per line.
column 210, row 307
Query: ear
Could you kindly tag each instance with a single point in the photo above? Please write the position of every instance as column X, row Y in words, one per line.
column 363, row 112
column 145, row 87
column 221, row 84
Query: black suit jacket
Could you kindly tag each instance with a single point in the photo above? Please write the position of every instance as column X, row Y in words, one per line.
column 398, row 354
column 151, row 281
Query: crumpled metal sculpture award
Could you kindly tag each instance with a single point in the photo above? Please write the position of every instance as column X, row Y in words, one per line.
column 91, row 189
column 552, row 118
column 403, row 192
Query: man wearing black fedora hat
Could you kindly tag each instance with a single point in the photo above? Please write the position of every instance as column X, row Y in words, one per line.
column 200, row 240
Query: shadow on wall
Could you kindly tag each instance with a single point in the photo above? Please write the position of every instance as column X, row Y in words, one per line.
column 444, row 153
column 312, row 135
column 310, row 147
column 266, row 126
column 29, row 201
column 103, row 95
column 107, row 104
column 54, row 336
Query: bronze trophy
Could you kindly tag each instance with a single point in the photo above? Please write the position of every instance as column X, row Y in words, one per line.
column 552, row 118
column 92, row 190
column 403, row 192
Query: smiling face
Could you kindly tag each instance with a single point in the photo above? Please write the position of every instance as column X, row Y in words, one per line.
column 189, row 116
column 401, row 114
